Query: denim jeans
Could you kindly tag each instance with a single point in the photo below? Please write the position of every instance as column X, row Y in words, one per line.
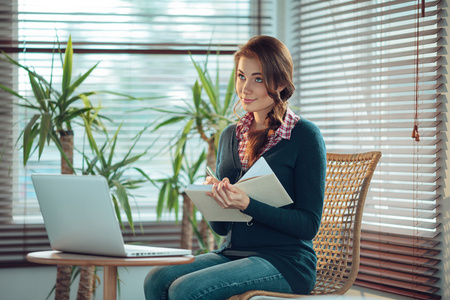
column 213, row 277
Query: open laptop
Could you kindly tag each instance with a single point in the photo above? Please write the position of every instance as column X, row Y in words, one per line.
column 79, row 217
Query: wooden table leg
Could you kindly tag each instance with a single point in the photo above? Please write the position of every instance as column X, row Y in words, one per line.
column 110, row 283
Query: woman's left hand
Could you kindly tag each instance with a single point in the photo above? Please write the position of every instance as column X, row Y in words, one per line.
column 229, row 196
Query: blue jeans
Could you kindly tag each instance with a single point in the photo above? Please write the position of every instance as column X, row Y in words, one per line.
column 213, row 277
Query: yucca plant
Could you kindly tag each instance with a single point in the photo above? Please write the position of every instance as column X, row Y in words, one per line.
column 204, row 244
column 172, row 187
column 104, row 161
column 55, row 110
column 200, row 117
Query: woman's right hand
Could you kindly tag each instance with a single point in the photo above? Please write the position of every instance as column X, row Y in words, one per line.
column 211, row 180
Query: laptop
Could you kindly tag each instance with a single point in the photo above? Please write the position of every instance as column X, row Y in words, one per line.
column 79, row 217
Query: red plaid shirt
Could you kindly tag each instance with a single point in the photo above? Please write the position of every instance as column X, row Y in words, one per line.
column 283, row 132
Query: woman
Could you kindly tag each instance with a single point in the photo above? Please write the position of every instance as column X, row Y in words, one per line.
column 274, row 251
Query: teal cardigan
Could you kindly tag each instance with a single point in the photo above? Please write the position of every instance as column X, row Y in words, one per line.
column 283, row 236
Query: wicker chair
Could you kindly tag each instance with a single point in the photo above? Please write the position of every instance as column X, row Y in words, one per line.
column 338, row 239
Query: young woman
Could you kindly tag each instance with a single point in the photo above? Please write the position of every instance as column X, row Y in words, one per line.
column 274, row 251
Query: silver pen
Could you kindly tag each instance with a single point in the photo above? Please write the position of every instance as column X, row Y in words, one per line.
column 211, row 173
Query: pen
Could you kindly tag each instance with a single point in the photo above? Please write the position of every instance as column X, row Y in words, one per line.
column 211, row 173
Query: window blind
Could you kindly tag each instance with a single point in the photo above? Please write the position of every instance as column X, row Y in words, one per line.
column 366, row 72
column 143, row 50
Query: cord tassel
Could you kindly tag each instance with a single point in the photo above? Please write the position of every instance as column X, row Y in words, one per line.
column 415, row 134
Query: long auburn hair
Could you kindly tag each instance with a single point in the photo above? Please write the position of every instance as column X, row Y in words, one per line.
column 277, row 69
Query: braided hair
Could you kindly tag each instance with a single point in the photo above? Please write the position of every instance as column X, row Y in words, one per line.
column 277, row 68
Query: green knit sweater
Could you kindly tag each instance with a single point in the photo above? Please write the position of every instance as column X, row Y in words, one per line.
column 283, row 235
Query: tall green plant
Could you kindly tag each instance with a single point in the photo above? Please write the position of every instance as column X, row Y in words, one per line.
column 171, row 187
column 203, row 117
column 104, row 161
column 51, row 123
column 54, row 111
column 54, row 108
column 200, row 117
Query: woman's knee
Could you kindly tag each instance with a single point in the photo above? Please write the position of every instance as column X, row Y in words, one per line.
column 159, row 279
column 198, row 285
column 157, row 282
column 152, row 276
column 182, row 289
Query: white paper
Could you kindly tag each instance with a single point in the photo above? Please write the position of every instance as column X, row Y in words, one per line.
column 260, row 167
column 259, row 183
column 209, row 207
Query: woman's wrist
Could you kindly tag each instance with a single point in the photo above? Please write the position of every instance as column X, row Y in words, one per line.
column 245, row 203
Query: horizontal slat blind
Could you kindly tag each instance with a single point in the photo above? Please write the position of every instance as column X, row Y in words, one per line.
column 355, row 74
column 143, row 50
column 18, row 241
column 6, row 117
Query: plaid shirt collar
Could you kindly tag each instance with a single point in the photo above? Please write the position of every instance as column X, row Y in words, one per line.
column 284, row 131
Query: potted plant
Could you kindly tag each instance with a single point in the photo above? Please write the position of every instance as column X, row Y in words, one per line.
column 55, row 110
column 171, row 189
column 204, row 118
column 103, row 161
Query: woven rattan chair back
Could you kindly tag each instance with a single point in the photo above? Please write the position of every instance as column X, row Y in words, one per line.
column 338, row 238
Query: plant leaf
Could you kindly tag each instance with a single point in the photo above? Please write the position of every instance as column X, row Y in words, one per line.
column 170, row 121
column 178, row 162
column 182, row 141
column 144, row 175
column 90, row 137
column 207, row 85
column 197, row 233
column 124, row 202
column 77, row 97
column 125, row 162
column 38, row 92
column 72, row 88
column 217, row 85
column 113, row 147
column 10, row 91
column 230, row 92
column 117, row 210
column 196, row 166
column 67, row 66
column 173, row 201
column 12, row 61
column 72, row 113
column 46, row 120
column 28, row 137
column 196, row 94
column 161, row 199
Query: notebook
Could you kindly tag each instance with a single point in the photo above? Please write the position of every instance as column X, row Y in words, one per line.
column 259, row 183
column 79, row 217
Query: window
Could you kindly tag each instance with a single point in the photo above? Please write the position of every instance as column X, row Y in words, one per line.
column 366, row 73
column 143, row 50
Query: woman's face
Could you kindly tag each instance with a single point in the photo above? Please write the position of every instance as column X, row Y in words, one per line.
column 251, row 89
